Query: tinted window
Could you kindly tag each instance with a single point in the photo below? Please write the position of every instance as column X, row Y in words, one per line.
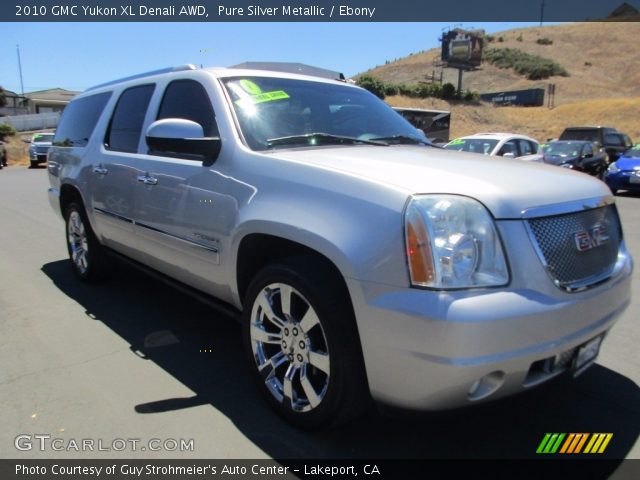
column 126, row 124
column 188, row 99
column 509, row 147
column 614, row 139
column 587, row 149
column 588, row 134
column 79, row 119
column 527, row 147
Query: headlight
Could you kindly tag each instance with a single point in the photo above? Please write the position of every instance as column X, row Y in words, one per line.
column 613, row 168
column 452, row 242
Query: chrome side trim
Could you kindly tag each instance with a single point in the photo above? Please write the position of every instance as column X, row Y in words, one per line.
column 162, row 232
column 113, row 215
column 570, row 207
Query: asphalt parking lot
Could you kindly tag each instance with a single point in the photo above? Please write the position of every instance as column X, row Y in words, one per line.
column 135, row 359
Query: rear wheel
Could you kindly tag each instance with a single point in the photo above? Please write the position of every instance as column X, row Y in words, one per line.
column 303, row 345
column 87, row 256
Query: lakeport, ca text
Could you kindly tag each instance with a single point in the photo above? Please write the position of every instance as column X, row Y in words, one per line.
column 202, row 11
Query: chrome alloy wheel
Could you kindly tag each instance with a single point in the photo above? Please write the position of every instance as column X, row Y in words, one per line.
column 289, row 347
column 78, row 241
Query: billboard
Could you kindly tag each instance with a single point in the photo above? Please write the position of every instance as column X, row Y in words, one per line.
column 462, row 48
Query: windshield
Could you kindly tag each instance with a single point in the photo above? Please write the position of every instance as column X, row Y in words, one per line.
column 286, row 113
column 43, row 137
column 633, row 153
column 473, row 145
column 562, row 149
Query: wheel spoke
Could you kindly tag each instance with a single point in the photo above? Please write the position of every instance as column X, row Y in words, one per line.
column 320, row 361
column 287, row 387
column 259, row 334
column 285, row 300
column 268, row 368
column 312, row 396
column 265, row 304
column 309, row 320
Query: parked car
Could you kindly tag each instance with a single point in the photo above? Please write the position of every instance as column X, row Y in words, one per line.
column 510, row 145
column 610, row 139
column 40, row 145
column 581, row 156
column 624, row 173
column 363, row 262
column 3, row 155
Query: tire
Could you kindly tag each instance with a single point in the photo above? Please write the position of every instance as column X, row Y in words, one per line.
column 302, row 344
column 88, row 259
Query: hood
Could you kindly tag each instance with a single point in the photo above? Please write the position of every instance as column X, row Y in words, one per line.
column 628, row 163
column 559, row 159
column 505, row 186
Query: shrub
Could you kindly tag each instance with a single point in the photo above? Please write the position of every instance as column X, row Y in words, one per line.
column 448, row 91
column 534, row 67
column 489, row 38
column 544, row 41
column 519, row 38
column 500, row 39
column 6, row 130
column 372, row 84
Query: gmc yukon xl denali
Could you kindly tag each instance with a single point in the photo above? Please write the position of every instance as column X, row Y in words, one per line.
column 366, row 263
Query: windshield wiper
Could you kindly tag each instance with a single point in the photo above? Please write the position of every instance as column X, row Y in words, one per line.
column 320, row 138
column 405, row 140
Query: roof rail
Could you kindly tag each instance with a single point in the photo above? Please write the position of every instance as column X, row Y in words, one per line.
column 179, row 68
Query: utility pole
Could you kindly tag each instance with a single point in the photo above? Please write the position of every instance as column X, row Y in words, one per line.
column 541, row 12
column 20, row 71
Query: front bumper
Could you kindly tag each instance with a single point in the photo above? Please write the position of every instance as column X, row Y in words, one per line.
column 431, row 350
column 623, row 180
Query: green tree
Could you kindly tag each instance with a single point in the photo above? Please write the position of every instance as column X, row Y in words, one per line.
column 3, row 97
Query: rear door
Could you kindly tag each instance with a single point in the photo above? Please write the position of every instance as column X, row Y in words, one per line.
column 114, row 174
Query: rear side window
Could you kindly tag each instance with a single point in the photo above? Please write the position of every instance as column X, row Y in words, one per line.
column 126, row 123
column 79, row 119
column 588, row 134
column 189, row 100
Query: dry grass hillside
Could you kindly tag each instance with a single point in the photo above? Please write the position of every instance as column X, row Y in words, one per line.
column 603, row 87
column 603, row 60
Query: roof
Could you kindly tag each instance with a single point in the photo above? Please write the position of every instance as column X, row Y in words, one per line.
column 52, row 95
column 292, row 67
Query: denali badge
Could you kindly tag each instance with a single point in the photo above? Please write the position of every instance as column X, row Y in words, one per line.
column 594, row 237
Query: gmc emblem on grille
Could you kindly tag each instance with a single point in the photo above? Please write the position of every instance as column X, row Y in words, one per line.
column 592, row 238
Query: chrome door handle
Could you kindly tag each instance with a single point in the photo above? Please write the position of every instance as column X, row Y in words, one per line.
column 100, row 170
column 147, row 180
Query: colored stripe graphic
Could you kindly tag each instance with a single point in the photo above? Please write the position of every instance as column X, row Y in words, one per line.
column 574, row 443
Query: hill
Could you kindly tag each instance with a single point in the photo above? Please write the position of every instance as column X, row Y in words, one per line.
column 602, row 59
column 603, row 86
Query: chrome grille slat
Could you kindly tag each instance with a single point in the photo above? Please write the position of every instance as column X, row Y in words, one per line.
column 555, row 238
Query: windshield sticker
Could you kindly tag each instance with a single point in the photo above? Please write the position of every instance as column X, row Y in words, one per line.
column 458, row 141
column 262, row 98
column 250, row 87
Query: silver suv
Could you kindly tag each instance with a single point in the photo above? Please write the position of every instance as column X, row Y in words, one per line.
column 366, row 263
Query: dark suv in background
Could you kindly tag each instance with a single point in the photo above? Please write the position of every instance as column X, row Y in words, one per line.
column 611, row 140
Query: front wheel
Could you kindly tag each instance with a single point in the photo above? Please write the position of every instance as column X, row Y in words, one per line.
column 303, row 345
column 85, row 252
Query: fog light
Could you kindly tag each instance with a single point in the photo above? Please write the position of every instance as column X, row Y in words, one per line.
column 486, row 385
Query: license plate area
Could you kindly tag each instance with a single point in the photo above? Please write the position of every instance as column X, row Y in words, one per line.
column 586, row 355
column 634, row 179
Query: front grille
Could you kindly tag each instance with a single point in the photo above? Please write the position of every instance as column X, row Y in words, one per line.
column 42, row 150
column 578, row 249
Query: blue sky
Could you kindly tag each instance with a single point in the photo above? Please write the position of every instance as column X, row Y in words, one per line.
column 76, row 56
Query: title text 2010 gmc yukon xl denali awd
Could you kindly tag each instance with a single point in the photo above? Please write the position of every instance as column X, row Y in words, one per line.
column 367, row 264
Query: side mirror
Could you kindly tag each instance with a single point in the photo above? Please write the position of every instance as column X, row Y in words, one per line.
column 178, row 135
